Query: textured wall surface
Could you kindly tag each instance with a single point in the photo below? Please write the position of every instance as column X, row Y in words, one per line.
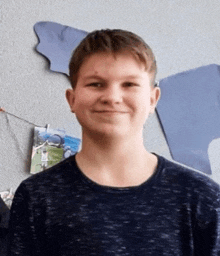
column 183, row 35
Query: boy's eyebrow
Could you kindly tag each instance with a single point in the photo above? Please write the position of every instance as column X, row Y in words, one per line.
column 100, row 77
column 92, row 77
column 132, row 77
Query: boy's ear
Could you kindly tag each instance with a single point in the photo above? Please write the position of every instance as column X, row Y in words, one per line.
column 155, row 96
column 70, row 97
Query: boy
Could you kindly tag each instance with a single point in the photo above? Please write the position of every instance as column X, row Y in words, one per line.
column 114, row 197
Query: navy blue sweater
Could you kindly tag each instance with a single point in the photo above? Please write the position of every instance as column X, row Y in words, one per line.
column 62, row 212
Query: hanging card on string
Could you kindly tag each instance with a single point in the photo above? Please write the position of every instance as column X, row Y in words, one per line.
column 50, row 146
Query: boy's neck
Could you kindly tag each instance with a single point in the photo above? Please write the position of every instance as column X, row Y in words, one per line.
column 116, row 163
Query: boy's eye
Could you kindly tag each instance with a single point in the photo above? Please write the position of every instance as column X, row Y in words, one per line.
column 95, row 84
column 130, row 84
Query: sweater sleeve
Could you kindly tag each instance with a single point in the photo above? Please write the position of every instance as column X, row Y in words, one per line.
column 21, row 228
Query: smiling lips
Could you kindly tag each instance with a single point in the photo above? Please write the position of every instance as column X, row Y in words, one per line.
column 110, row 112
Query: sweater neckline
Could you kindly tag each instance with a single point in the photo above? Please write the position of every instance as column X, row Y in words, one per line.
column 111, row 189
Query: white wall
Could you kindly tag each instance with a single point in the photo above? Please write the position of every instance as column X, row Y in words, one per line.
column 183, row 35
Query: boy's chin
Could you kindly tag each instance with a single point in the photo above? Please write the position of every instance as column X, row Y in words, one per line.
column 116, row 133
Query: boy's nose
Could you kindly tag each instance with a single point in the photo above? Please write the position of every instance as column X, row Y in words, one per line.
column 112, row 94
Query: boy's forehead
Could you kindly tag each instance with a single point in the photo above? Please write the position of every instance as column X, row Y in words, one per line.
column 108, row 59
column 114, row 55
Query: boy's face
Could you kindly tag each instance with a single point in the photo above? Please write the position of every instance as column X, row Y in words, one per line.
column 113, row 95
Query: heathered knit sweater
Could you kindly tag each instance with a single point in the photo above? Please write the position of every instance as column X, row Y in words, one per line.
column 61, row 212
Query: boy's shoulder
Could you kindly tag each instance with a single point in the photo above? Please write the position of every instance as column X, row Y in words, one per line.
column 193, row 181
column 53, row 176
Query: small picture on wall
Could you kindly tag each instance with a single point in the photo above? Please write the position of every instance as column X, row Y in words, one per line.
column 50, row 146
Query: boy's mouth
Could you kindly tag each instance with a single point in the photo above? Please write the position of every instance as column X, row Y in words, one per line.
column 111, row 111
